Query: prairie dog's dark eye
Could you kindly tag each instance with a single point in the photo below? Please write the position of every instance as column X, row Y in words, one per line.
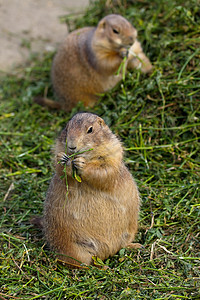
column 115, row 31
column 90, row 129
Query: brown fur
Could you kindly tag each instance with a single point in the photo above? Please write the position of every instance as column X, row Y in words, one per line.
column 99, row 215
column 88, row 60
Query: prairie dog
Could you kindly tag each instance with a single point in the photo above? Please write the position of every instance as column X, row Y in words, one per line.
column 88, row 60
column 99, row 215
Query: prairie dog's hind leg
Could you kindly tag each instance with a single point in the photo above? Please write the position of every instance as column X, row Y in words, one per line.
column 76, row 255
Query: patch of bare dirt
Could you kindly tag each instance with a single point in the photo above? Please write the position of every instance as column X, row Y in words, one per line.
column 30, row 27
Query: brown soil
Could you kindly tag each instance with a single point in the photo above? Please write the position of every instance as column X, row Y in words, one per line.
column 32, row 27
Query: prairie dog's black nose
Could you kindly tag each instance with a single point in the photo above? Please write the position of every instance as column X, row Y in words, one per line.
column 131, row 40
column 72, row 148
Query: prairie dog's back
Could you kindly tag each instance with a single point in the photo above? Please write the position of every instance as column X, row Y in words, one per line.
column 70, row 66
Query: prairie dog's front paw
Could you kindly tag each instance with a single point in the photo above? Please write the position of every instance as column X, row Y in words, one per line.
column 62, row 158
column 79, row 163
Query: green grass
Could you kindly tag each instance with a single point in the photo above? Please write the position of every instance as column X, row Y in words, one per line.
column 158, row 119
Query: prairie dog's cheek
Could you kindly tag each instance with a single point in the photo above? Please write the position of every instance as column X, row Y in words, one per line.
column 118, row 41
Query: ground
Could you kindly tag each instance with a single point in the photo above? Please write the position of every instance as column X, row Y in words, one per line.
column 32, row 27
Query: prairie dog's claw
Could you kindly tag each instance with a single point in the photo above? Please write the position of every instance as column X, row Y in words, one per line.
column 62, row 157
column 79, row 162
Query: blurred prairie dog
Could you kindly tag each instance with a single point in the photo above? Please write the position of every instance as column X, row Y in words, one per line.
column 99, row 215
column 87, row 62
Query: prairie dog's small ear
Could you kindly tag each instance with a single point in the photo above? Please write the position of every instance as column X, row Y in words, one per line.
column 102, row 24
column 101, row 122
column 66, row 127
